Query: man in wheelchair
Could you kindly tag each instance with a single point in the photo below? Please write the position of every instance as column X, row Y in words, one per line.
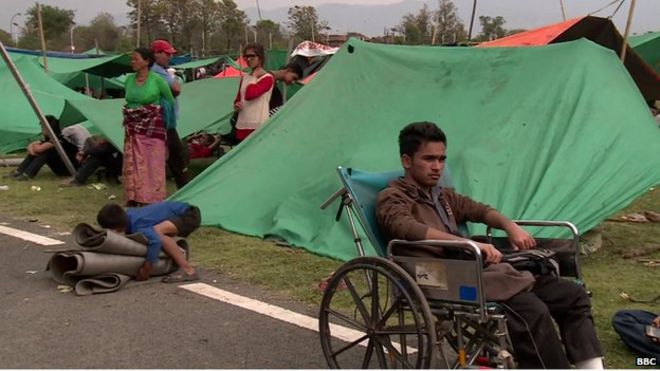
column 415, row 208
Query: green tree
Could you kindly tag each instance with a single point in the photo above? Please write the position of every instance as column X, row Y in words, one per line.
column 491, row 28
column 232, row 27
column 102, row 30
column 449, row 28
column 208, row 13
column 268, row 30
column 6, row 38
column 304, row 22
column 417, row 28
column 151, row 20
column 57, row 23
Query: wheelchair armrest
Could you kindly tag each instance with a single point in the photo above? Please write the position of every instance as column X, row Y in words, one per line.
column 544, row 223
column 468, row 246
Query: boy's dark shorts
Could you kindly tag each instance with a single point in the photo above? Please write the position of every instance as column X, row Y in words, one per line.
column 187, row 222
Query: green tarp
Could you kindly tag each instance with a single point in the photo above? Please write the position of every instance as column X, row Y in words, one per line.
column 558, row 132
column 18, row 122
column 648, row 47
column 205, row 104
column 198, row 63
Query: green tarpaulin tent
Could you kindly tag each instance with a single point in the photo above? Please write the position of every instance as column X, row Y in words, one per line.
column 648, row 47
column 18, row 122
column 558, row 132
column 205, row 104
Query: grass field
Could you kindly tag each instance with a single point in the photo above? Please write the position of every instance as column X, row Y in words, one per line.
column 296, row 273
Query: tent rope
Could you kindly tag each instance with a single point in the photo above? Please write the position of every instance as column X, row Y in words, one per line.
column 607, row 6
column 617, row 9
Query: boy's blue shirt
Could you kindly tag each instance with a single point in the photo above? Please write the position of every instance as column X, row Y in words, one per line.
column 143, row 219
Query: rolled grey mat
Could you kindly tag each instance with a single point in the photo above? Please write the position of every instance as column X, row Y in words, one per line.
column 109, row 242
column 101, row 284
column 70, row 266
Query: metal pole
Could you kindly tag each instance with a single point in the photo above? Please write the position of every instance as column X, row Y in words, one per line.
column 43, row 38
column 35, row 107
column 139, row 21
column 71, row 39
column 474, row 9
column 563, row 10
column 624, row 45
column 258, row 9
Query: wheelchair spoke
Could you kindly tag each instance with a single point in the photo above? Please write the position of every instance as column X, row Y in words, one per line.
column 375, row 298
column 358, row 301
column 367, row 354
column 357, row 325
column 380, row 353
column 389, row 312
column 350, row 345
column 392, row 350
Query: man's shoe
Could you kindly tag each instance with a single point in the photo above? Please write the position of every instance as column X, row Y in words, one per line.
column 22, row 177
column 70, row 183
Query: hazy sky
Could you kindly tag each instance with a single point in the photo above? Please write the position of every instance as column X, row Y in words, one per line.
column 518, row 13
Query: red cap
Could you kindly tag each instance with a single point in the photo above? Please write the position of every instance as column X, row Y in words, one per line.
column 162, row 46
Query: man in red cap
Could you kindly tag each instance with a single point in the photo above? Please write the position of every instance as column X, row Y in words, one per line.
column 176, row 160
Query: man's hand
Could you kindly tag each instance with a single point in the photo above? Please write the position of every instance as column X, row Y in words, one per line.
column 80, row 156
column 656, row 322
column 491, row 254
column 519, row 238
column 31, row 148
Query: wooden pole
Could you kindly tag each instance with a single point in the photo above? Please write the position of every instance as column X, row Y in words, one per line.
column 35, row 106
column 435, row 33
column 563, row 10
column 43, row 38
column 624, row 45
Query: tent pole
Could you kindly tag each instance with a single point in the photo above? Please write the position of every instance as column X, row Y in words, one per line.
column 624, row 45
column 474, row 9
column 36, row 108
column 139, row 21
column 43, row 38
column 563, row 10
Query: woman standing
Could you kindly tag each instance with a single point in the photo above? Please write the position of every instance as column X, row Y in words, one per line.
column 254, row 93
column 149, row 101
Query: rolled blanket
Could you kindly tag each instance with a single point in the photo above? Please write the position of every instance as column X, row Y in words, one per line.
column 109, row 242
column 70, row 266
column 100, row 284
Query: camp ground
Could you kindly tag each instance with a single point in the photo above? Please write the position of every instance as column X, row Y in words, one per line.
column 535, row 160
column 547, row 124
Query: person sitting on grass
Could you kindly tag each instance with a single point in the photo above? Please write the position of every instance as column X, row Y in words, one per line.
column 97, row 152
column 202, row 145
column 43, row 152
column 159, row 223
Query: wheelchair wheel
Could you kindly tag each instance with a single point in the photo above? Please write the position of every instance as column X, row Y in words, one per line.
column 384, row 319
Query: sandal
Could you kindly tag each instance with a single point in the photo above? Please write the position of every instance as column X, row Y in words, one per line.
column 180, row 276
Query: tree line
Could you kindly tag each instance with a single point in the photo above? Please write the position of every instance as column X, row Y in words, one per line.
column 212, row 27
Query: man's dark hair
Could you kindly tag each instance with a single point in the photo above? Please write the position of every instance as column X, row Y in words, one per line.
column 112, row 216
column 416, row 133
column 54, row 124
column 295, row 68
column 147, row 55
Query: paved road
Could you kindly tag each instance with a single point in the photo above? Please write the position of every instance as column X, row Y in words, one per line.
column 144, row 325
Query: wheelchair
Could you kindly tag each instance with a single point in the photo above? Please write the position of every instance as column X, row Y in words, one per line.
column 398, row 311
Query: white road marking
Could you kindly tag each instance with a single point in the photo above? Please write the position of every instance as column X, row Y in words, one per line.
column 27, row 236
column 270, row 310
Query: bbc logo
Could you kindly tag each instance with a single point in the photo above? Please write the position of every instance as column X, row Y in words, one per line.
column 643, row 361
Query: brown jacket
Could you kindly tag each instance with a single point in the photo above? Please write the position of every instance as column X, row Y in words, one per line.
column 405, row 212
